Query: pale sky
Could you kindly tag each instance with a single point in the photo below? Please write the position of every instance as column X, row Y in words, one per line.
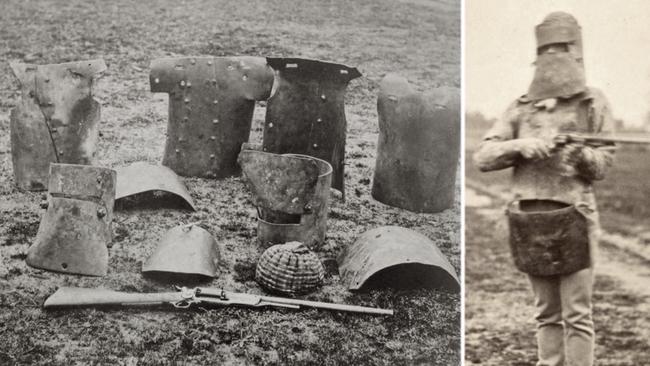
column 500, row 49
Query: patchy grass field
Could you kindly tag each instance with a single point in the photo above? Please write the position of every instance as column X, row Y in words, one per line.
column 499, row 327
column 420, row 40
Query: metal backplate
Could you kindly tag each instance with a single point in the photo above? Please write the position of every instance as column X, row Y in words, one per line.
column 306, row 114
column 211, row 104
column 57, row 119
column 186, row 251
column 397, row 257
column 143, row 177
column 418, row 148
column 76, row 228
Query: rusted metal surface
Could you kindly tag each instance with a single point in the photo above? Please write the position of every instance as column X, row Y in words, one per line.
column 76, row 228
column 393, row 256
column 559, row 27
column 306, row 113
column 548, row 237
column 279, row 182
column 143, row 177
column 560, row 73
column 291, row 196
column 418, row 148
column 211, row 104
column 289, row 268
column 185, row 251
column 56, row 120
column 557, row 75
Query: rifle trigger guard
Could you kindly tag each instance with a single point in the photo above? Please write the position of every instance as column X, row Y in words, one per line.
column 188, row 296
column 183, row 304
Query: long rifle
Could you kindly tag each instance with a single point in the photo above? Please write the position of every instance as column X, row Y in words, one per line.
column 185, row 297
column 599, row 140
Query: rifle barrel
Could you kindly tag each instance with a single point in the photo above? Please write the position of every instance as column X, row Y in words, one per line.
column 614, row 139
column 328, row 305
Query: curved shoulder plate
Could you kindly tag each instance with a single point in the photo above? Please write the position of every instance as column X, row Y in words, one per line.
column 279, row 182
column 410, row 257
column 186, row 250
column 143, row 177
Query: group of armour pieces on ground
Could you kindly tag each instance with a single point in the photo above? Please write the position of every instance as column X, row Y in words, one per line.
column 54, row 130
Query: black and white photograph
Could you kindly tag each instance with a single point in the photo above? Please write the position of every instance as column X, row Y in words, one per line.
column 215, row 182
column 557, row 140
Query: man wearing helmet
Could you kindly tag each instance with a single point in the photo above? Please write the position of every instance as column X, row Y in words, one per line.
column 558, row 102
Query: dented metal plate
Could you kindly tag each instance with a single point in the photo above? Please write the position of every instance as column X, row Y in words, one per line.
column 306, row 113
column 186, row 251
column 76, row 228
column 56, row 121
column 211, row 104
column 143, row 177
column 279, row 182
column 396, row 257
column 418, row 148
column 291, row 205
column 548, row 237
column 557, row 75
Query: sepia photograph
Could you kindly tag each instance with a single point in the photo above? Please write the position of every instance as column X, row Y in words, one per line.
column 557, row 137
column 215, row 182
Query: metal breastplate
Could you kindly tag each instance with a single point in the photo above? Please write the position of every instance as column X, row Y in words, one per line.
column 548, row 237
column 76, row 228
column 291, row 193
column 57, row 120
column 419, row 145
column 306, row 113
column 546, row 178
column 211, row 104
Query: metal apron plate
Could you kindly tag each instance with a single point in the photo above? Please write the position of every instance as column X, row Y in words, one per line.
column 306, row 113
column 211, row 104
column 291, row 205
column 76, row 228
column 418, row 147
column 56, row 121
column 397, row 257
column 143, row 177
column 548, row 237
column 186, row 251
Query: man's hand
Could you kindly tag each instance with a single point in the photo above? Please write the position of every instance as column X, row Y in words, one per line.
column 533, row 148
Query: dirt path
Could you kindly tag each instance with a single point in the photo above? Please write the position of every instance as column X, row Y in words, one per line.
column 621, row 310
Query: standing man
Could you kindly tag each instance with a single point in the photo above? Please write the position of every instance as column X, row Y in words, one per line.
column 558, row 102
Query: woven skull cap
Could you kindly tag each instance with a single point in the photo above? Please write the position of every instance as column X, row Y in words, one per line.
column 289, row 268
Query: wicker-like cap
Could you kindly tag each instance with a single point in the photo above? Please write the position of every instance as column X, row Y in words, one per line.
column 289, row 268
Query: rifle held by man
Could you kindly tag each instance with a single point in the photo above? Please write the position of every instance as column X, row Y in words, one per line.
column 598, row 139
column 185, row 297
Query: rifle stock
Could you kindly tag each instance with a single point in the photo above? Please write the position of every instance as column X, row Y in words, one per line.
column 71, row 297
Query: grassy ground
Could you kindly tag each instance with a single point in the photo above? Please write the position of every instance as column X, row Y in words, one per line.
column 500, row 329
column 417, row 40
